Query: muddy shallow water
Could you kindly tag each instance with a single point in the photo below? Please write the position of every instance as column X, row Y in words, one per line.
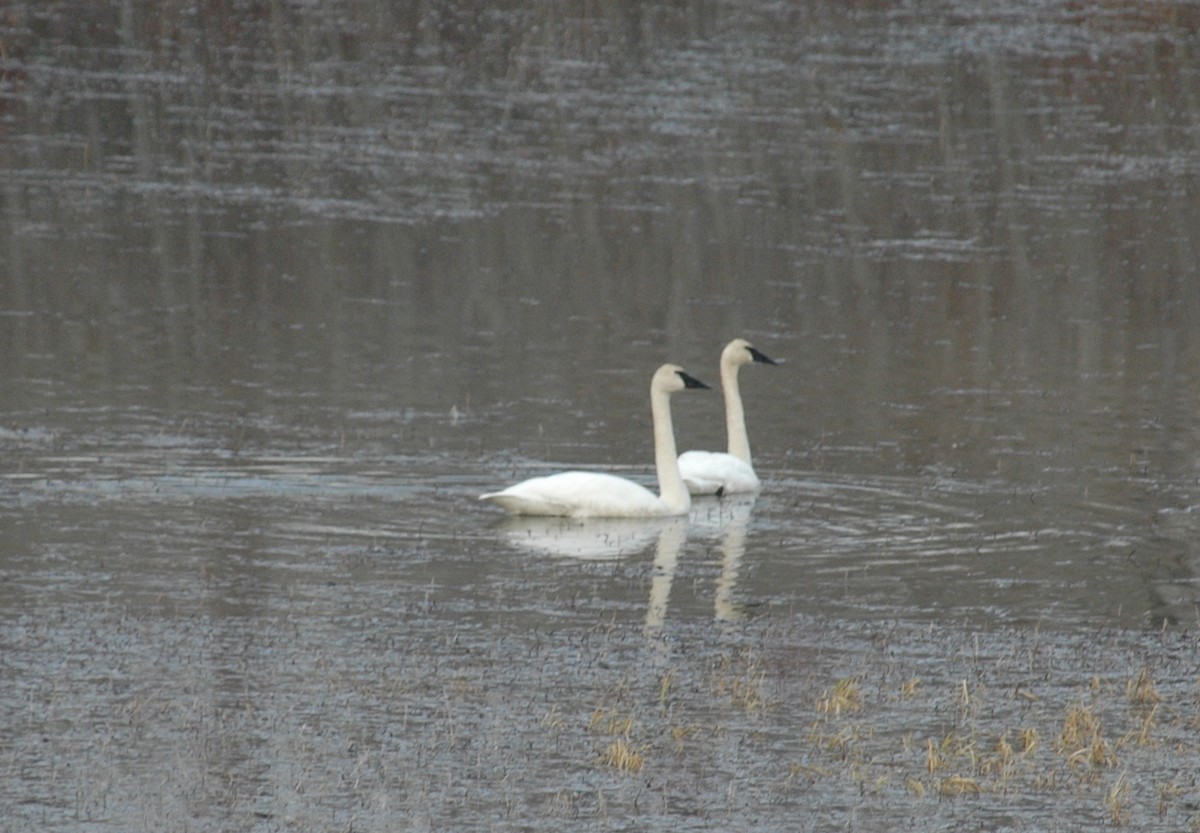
column 283, row 289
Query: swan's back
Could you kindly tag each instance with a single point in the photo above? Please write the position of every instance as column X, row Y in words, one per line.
column 579, row 494
column 715, row 472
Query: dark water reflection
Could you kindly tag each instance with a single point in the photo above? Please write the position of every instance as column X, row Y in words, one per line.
column 283, row 287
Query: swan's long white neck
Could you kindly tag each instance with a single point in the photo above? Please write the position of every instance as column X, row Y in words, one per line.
column 671, row 488
column 735, row 416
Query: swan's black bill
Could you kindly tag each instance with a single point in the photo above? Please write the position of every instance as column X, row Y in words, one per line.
column 691, row 381
column 760, row 356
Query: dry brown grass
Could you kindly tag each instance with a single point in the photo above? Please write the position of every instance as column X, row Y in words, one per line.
column 812, row 773
column 959, row 785
column 986, row 746
column 845, row 696
column 1000, row 763
column 664, row 686
column 844, row 746
column 610, row 722
column 1081, row 740
column 622, row 756
column 1142, row 736
column 954, row 751
column 1116, row 801
column 742, row 682
column 1027, row 739
column 933, row 757
column 1141, row 690
column 1079, row 728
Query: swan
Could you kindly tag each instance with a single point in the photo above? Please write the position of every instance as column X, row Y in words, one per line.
column 725, row 473
column 583, row 494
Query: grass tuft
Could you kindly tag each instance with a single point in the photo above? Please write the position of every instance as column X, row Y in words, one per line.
column 1028, row 740
column 960, row 785
column 1115, row 801
column 1141, row 690
column 1082, row 742
column 623, row 757
column 844, row 697
column 610, row 722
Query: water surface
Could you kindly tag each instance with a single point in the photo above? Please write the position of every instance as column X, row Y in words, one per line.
column 284, row 288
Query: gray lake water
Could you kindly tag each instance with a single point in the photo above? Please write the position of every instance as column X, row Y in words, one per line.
column 285, row 286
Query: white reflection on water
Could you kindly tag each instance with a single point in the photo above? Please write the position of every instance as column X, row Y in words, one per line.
column 731, row 519
column 589, row 539
column 726, row 520
column 602, row 539
column 666, row 558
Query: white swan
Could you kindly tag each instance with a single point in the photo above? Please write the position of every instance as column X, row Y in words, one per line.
column 725, row 473
column 582, row 494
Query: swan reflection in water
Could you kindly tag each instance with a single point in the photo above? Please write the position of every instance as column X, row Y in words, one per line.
column 588, row 539
column 729, row 519
column 598, row 539
column 666, row 558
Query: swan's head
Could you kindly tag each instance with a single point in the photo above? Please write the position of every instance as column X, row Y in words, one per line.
column 739, row 352
column 671, row 378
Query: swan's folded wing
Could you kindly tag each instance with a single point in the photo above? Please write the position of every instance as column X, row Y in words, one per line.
column 579, row 494
column 516, row 501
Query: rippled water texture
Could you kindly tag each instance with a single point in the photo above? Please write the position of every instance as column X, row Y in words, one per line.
column 285, row 286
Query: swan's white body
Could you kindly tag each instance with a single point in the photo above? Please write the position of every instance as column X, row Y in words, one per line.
column 731, row 472
column 584, row 494
column 717, row 473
